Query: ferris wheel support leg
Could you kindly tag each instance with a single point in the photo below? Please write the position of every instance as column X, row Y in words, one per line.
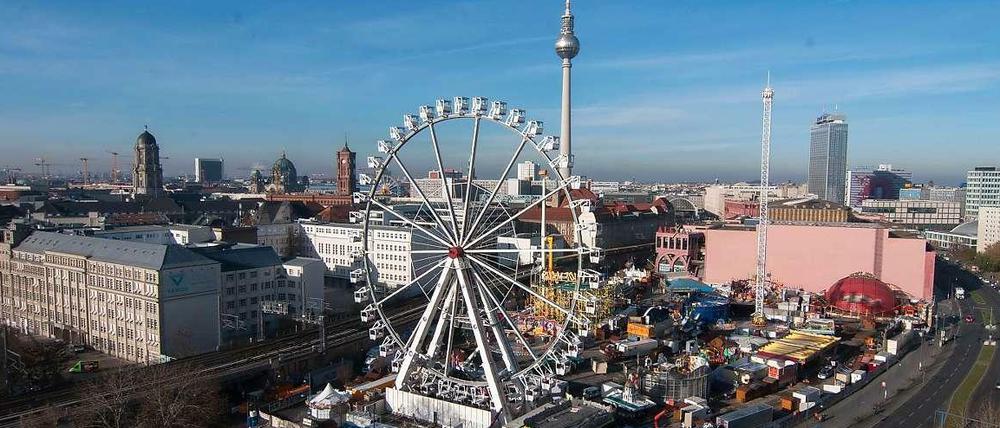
column 498, row 397
column 420, row 333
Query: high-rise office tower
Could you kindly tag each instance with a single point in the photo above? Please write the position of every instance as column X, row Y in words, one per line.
column 982, row 189
column 207, row 170
column 828, row 157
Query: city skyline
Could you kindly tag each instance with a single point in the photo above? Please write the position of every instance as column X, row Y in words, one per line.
column 244, row 82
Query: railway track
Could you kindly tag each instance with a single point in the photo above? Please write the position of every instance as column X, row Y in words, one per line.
column 216, row 365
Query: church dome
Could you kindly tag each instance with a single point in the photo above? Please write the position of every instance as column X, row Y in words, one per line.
column 284, row 166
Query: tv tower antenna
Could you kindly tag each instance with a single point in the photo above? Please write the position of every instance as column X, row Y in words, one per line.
column 760, row 282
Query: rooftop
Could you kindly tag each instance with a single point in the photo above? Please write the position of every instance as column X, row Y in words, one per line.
column 139, row 254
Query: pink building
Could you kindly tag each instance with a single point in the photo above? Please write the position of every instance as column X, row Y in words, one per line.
column 815, row 257
column 678, row 251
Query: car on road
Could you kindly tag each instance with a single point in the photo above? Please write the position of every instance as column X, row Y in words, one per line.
column 969, row 319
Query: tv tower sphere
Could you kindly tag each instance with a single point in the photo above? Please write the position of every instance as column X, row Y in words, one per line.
column 567, row 45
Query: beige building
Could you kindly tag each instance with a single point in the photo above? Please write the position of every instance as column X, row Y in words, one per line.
column 915, row 212
column 989, row 227
column 138, row 301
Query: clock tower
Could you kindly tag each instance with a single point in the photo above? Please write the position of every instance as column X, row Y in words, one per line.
column 346, row 171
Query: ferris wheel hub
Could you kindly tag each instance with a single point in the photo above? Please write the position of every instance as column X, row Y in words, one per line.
column 456, row 252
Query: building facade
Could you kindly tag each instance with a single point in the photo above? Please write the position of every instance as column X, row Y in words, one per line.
column 180, row 234
column 137, row 301
column 828, row 157
column 147, row 174
column 253, row 276
column 208, row 170
column 982, row 189
column 882, row 182
column 339, row 246
column 915, row 213
column 988, row 228
column 814, row 257
column 961, row 237
column 716, row 195
column 809, row 211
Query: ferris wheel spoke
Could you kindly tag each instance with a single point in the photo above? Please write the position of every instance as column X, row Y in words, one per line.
column 410, row 222
column 468, row 185
column 503, row 313
column 439, row 327
column 493, row 194
column 445, row 190
column 415, row 185
column 527, row 208
column 529, row 290
column 525, row 250
column 433, row 269
column 498, row 331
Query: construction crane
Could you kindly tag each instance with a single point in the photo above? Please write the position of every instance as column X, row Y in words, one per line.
column 44, row 164
column 115, row 172
column 86, row 171
column 760, row 285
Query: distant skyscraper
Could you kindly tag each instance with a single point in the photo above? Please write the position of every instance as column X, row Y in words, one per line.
column 828, row 157
column 883, row 182
column 347, row 175
column 147, row 175
column 982, row 189
column 207, row 170
column 526, row 171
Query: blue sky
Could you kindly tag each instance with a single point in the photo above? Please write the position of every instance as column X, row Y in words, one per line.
column 662, row 90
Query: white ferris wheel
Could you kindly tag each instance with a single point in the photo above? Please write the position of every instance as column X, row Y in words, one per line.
column 479, row 341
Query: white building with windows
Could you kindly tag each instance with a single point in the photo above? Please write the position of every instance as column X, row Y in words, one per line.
column 253, row 274
column 989, row 227
column 915, row 212
column 137, row 301
column 339, row 246
column 181, row 234
column 982, row 189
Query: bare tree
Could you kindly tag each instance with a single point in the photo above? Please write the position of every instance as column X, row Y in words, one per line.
column 109, row 401
column 179, row 396
column 987, row 415
column 165, row 395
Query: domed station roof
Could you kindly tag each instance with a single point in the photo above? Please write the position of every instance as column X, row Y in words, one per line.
column 862, row 294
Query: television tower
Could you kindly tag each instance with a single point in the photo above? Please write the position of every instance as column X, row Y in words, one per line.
column 760, row 284
column 567, row 46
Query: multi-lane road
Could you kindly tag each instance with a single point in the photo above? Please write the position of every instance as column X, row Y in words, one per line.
column 935, row 394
